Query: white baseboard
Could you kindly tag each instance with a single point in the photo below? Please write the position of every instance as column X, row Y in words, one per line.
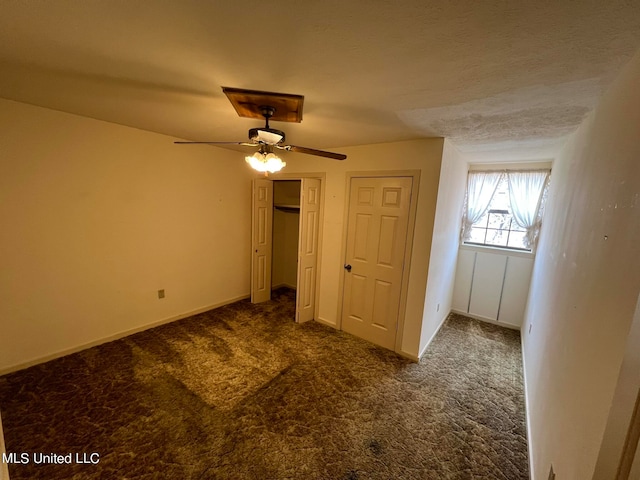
column 402, row 353
column 4, row 467
column 527, row 411
column 408, row 356
column 487, row 320
column 117, row 336
column 326, row 322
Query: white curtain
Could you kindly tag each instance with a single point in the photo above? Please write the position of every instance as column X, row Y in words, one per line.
column 481, row 186
column 526, row 193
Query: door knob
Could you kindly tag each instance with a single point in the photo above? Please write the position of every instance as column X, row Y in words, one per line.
column 347, row 267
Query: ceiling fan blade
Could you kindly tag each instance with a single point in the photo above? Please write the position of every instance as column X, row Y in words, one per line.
column 313, row 151
column 247, row 144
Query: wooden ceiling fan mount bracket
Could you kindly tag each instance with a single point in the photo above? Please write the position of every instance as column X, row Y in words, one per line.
column 284, row 107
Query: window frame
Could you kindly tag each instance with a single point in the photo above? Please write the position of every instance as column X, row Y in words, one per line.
column 487, row 229
column 508, row 167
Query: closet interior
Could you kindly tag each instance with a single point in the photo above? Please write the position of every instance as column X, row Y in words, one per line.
column 286, row 232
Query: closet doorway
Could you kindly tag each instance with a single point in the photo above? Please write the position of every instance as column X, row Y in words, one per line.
column 285, row 232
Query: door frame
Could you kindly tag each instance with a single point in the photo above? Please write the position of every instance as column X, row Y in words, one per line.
column 622, row 431
column 322, row 177
column 408, row 249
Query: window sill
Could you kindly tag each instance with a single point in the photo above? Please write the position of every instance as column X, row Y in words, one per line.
column 497, row 250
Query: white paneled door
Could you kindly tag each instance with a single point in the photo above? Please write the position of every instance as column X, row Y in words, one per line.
column 378, row 219
column 261, row 240
column 308, row 249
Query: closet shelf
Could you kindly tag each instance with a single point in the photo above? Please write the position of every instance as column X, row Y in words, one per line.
column 287, row 208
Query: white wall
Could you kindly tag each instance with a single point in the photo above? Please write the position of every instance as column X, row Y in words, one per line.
column 97, row 217
column 424, row 155
column 585, row 284
column 622, row 407
column 444, row 247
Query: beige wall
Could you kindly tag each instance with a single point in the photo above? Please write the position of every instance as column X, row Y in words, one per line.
column 97, row 217
column 585, row 285
column 424, row 155
column 101, row 216
column 444, row 249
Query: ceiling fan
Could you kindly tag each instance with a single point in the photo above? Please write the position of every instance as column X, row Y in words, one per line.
column 267, row 138
column 256, row 104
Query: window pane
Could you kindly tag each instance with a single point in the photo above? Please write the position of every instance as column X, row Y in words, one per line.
column 516, row 239
column 477, row 235
column 499, row 221
column 497, row 237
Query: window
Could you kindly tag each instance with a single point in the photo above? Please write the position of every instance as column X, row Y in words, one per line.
column 496, row 227
column 504, row 209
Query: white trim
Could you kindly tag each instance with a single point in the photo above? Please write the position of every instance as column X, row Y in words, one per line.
column 526, row 408
column 525, row 165
column 4, row 468
column 407, row 355
column 509, row 252
column 424, row 349
column 117, row 336
column 487, row 320
column 322, row 176
column 326, row 322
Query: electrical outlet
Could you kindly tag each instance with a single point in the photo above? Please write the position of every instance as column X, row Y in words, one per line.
column 552, row 474
column 161, row 293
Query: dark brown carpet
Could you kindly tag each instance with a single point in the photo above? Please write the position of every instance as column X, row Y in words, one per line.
column 242, row 392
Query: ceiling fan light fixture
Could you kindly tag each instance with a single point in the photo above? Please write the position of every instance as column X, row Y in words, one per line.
column 265, row 162
column 262, row 135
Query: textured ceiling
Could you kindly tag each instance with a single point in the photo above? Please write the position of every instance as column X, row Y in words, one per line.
column 509, row 77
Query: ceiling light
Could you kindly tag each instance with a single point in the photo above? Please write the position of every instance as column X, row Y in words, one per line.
column 265, row 162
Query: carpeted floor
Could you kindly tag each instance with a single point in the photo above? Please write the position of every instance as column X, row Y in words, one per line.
column 242, row 392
